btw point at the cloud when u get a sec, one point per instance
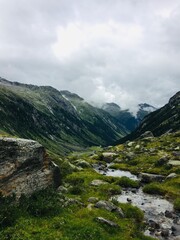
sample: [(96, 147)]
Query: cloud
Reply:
[(122, 51)]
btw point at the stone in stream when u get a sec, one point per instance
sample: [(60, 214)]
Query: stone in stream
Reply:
[(107, 222), (165, 233), (168, 214)]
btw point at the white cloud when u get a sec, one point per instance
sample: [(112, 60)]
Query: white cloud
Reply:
[(122, 51)]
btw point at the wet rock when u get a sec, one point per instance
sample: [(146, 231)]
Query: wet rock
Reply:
[(171, 176), (129, 200), (109, 206), (154, 224), (108, 156), (98, 182), (165, 233), (176, 230), (93, 199), (106, 221), (168, 214), (148, 178)]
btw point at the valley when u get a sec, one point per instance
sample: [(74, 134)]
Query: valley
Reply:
[(101, 182)]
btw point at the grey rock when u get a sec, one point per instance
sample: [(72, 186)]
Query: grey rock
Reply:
[(25, 167), (109, 156), (98, 182), (147, 177), (107, 222), (174, 163), (109, 206), (93, 199), (147, 134), (165, 233), (171, 175)]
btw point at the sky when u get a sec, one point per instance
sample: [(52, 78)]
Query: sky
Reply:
[(122, 51)]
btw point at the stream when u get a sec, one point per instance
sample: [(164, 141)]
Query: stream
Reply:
[(162, 221)]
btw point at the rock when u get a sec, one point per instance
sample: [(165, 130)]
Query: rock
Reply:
[(165, 233), (177, 238), (177, 148), (109, 156), (171, 175), (129, 200), (162, 161), (82, 163), (147, 134), (107, 222), (25, 167), (109, 206), (93, 199), (137, 147), (176, 153), (62, 189), (147, 177), (176, 230), (130, 144), (168, 214), (130, 155), (98, 182), (174, 163), (154, 224)]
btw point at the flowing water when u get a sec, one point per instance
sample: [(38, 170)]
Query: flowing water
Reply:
[(155, 207)]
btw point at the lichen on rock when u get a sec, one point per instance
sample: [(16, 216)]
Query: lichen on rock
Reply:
[(25, 167)]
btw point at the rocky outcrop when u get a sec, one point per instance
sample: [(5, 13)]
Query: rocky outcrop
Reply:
[(25, 167)]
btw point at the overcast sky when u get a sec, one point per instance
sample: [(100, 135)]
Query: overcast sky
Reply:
[(123, 51)]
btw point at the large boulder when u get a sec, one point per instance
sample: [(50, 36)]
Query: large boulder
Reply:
[(109, 206), (25, 167), (109, 156), (148, 178)]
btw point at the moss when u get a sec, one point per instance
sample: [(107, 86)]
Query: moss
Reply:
[(177, 204), (154, 188), (127, 182)]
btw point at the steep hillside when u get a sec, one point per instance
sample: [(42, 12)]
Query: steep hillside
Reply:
[(44, 114), (163, 120), (125, 117)]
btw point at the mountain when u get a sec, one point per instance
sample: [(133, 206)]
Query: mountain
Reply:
[(61, 121), (161, 121), (125, 117)]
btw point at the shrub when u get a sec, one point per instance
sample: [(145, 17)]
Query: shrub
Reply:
[(154, 188), (41, 203), (132, 212), (9, 211), (177, 204), (127, 182)]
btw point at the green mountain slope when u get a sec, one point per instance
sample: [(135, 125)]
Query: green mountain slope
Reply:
[(44, 114), (163, 120)]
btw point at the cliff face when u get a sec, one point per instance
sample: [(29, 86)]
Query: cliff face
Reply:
[(25, 167)]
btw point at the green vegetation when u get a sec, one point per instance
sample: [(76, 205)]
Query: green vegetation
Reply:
[(127, 182), (177, 204), (154, 188)]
